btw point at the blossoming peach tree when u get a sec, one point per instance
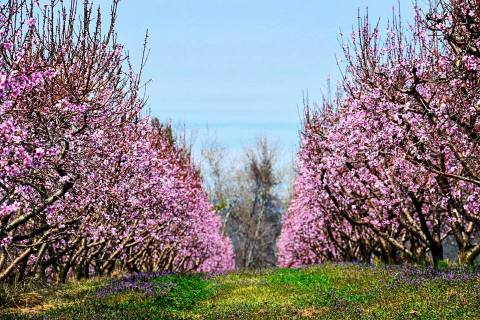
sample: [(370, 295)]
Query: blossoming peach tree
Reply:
[(87, 183), (392, 168)]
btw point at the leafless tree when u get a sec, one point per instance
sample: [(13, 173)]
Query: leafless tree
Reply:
[(247, 195)]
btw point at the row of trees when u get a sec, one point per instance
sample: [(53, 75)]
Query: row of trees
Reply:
[(87, 183), (391, 170)]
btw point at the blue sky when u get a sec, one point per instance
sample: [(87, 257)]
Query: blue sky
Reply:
[(240, 67)]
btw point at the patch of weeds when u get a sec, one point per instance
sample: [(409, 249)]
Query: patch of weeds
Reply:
[(352, 294), (22, 293), (140, 282), (122, 305), (300, 278), (416, 276), (182, 292)]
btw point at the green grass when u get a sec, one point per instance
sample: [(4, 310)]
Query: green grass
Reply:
[(186, 292), (321, 292)]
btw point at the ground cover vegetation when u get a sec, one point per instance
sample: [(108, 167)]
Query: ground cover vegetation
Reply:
[(322, 292)]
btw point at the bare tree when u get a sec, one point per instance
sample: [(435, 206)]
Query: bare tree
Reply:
[(246, 193)]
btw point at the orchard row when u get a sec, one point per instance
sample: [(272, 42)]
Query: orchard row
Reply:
[(391, 169), (88, 184)]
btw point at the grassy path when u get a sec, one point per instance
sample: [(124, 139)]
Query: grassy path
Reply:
[(324, 292)]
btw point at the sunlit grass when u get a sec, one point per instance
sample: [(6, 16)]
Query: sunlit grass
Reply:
[(321, 292)]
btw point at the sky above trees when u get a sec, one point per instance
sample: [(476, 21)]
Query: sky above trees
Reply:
[(241, 67)]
